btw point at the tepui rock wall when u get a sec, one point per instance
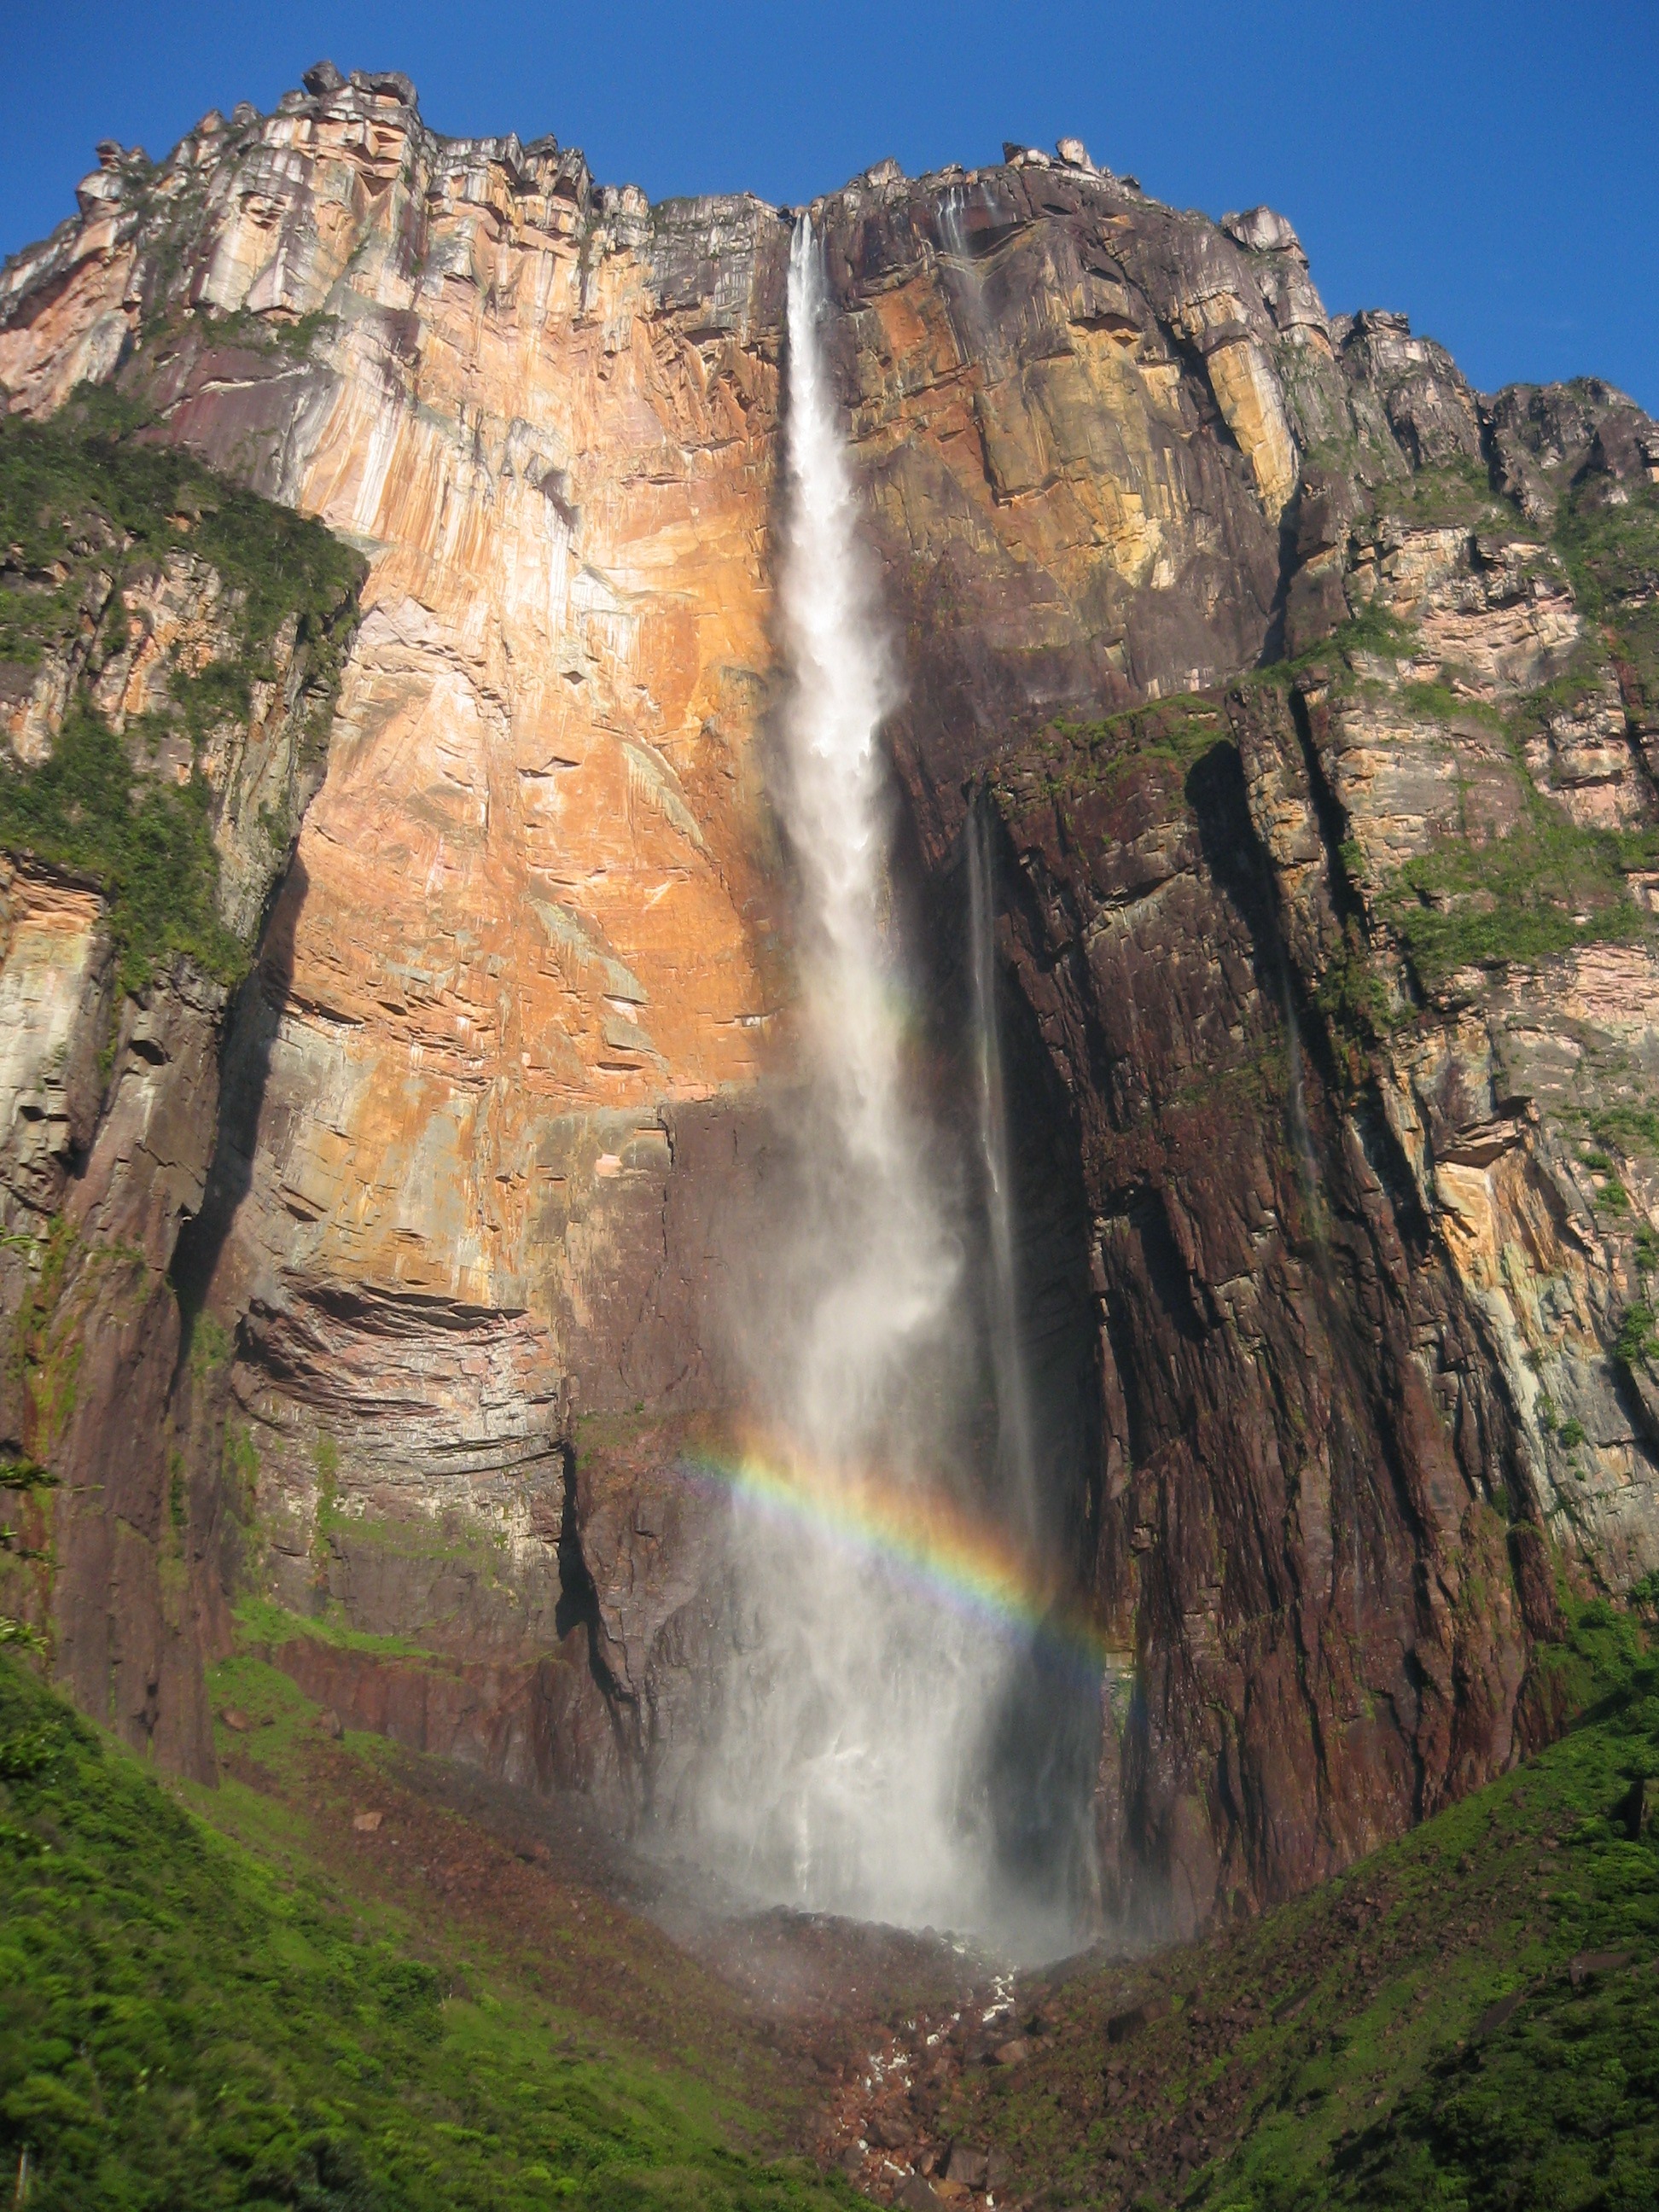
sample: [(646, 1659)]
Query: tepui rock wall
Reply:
[(1242, 618)]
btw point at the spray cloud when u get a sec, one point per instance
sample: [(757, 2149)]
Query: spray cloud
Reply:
[(849, 1769)]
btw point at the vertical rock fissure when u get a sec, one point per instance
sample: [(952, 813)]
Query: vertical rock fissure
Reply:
[(1328, 813), (579, 1608)]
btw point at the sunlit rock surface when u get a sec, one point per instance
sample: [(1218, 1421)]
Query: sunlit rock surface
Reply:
[(1316, 1296)]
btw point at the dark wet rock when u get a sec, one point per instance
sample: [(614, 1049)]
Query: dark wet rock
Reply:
[(1318, 1287)]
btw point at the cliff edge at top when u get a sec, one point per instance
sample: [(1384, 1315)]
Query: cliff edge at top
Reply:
[(1338, 1324)]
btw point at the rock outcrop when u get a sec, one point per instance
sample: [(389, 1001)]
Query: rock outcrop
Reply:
[(98, 1173), (1347, 993), (1326, 991), (171, 654)]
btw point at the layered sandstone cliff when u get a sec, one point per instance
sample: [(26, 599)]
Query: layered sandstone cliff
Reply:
[(1326, 1300)]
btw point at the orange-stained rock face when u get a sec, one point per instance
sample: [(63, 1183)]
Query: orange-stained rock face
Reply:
[(529, 911), (529, 886), (535, 910), (495, 1143)]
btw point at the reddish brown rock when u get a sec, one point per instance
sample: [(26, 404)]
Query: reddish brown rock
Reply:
[(502, 1108)]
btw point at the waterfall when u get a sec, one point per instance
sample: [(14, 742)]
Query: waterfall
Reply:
[(980, 337), (1015, 1454), (847, 1771), (888, 1286)]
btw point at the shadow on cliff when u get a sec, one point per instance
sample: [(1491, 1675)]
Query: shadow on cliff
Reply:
[(1040, 1744), (244, 1072), (1243, 870)]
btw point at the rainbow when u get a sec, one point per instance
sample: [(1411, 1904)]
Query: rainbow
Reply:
[(920, 1539)]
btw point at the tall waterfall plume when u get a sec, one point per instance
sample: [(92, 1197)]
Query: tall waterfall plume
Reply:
[(849, 1773)]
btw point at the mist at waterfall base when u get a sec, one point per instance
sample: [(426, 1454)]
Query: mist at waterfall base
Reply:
[(888, 1740)]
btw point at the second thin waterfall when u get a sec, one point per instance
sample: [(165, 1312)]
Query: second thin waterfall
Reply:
[(1015, 1458)]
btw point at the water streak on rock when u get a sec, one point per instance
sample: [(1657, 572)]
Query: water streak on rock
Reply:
[(1016, 1459)]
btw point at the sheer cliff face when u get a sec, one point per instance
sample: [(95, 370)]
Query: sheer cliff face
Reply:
[(1321, 1280)]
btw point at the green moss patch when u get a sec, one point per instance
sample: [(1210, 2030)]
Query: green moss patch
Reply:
[(71, 488), (263, 1625), (1547, 887), (149, 849), (1075, 760), (1612, 556), (1611, 552), (1456, 494)]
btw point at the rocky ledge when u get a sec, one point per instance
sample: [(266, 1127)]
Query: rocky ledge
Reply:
[(1313, 696)]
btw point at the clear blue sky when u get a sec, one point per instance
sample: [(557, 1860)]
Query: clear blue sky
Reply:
[(1493, 169)]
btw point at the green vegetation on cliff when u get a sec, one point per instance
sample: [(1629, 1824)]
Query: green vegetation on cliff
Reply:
[(85, 508), (252, 2014), (1456, 492), (85, 490), (149, 848), (1162, 741), (1612, 555), (187, 2020), (1546, 887)]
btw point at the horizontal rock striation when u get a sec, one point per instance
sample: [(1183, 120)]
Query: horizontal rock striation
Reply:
[(1326, 990)]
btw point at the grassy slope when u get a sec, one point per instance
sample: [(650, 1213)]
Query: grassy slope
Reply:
[(266, 2007), (1343, 2050), (199, 2015)]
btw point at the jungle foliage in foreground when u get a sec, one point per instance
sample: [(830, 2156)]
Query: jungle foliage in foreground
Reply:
[(184, 2025), (1466, 2022)]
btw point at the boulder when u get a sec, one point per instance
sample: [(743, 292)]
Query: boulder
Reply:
[(1260, 230), (386, 84)]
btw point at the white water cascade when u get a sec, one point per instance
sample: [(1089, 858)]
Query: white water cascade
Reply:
[(849, 1771), (889, 1287)]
